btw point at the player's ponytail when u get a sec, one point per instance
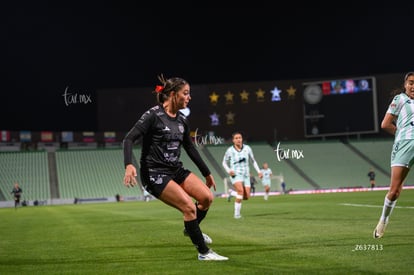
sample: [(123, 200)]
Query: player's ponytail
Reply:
[(168, 85)]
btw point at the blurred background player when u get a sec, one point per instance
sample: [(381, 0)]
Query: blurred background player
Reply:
[(371, 176), (253, 182), (236, 162), (17, 193), (266, 181)]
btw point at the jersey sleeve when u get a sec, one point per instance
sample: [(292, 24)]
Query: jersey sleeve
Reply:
[(140, 128), (396, 104), (225, 161), (253, 160)]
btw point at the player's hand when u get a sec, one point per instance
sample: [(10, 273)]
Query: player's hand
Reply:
[(210, 182), (130, 174), (231, 173), (260, 175)]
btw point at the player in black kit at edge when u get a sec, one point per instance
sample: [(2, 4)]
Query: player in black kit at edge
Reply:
[(164, 129)]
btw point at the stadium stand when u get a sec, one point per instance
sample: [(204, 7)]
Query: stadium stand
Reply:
[(334, 164), (30, 170), (282, 169), (92, 174), (98, 173), (214, 157), (378, 151)]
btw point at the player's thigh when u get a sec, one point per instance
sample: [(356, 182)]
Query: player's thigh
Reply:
[(176, 197), (238, 186), (198, 190)]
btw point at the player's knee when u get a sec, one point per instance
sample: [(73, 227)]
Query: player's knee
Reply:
[(205, 203)]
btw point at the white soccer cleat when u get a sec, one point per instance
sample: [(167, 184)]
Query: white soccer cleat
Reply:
[(379, 230), (237, 216), (211, 256)]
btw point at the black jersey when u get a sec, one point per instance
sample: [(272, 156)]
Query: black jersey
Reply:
[(371, 175), (17, 192), (162, 138)]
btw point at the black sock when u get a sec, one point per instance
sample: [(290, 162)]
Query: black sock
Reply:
[(201, 214), (196, 236)]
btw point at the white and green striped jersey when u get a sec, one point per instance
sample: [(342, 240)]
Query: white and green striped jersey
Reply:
[(403, 107), (267, 174), (238, 161)]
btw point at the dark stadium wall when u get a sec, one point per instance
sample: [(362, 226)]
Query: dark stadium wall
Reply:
[(263, 111), (243, 106)]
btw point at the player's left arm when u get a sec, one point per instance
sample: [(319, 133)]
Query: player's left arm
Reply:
[(254, 162)]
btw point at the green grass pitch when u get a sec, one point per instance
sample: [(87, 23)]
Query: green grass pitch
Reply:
[(288, 234)]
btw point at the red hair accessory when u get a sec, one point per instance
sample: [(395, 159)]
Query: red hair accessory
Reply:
[(159, 88)]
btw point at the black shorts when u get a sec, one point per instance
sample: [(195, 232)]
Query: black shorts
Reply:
[(154, 181), (17, 199)]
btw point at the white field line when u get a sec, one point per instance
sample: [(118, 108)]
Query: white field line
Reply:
[(376, 206)]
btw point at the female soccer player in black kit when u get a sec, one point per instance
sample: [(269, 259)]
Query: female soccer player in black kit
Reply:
[(17, 193), (164, 129)]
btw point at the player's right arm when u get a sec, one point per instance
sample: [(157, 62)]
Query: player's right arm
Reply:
[(136, 132), (226, 160)]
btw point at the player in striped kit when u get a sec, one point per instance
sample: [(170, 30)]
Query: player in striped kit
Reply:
[(398, 121), (236, 162), (266, 180)]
